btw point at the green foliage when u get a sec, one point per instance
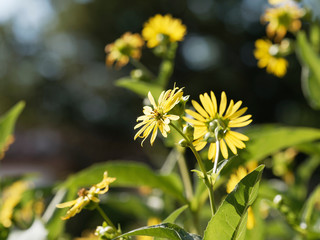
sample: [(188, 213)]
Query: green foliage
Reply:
[(229, 222), (310, 61), (128, 174), (7, 123), (174, 215), (140, 87), (164, 230)]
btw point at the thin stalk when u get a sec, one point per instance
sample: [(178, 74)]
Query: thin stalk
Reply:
[(105, 217), (185, 175), (142, 67), (202, 168), (217, 156)]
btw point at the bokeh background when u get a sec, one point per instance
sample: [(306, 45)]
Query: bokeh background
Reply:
[(52, 56)]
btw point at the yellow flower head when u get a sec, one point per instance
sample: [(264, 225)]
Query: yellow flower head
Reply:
[(160, 27), (11, 197), (157, 116), (268, 57), (209, 123), (86, 196), (124, 48), (233, 181), (283, 18)]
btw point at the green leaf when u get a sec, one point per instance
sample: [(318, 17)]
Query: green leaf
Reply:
[(268, 139), (229, 220), (311, 71), (309, 207), (174, 215), (139, 87), (163, 230), (128, 174), (7, 123)]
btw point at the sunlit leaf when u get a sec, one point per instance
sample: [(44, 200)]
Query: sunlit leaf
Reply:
[(229, 220), (128, 174), (164, 230), (140, 87), (7, 123)]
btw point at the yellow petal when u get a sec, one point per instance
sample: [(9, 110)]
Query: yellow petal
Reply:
[(242, 124), (223, 103), (194, 122), (200, 110), (241, 119), (195, 115), (238, 113), (214, 102), (238, 135), (199, 131), (200, 144), (207, 104), (151, 99), (212, 151), (224, 149), (230, 144)]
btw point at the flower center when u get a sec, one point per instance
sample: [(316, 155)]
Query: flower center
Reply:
[(217, 129)]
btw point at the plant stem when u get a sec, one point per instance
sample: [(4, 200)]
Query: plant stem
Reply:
[(217, 157), (142, 67), (202, 168), (185, 174), (105, 217)]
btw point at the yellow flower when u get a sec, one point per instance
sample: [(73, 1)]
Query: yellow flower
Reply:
[(268, 57), (233, 181), (283, 18), (277, 2), (124, 48), (151, 221), (11, 197), (86, 196), (207, 120), (157, 117), (160, 27)]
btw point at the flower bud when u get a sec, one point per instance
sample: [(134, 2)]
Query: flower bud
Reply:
[(183, 143), (209, 137), (188, 130)]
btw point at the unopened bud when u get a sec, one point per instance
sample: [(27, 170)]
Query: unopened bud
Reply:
[(209, 137), (183, 143), (188, 130)]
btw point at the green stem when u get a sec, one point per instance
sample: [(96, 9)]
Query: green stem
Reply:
[(105, 217), (185, 175), (202, 168), (217, 157), (142, 67)]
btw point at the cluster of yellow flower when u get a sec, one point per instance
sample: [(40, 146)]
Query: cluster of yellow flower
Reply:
[(284, 16), (209, 124), (158, 30)]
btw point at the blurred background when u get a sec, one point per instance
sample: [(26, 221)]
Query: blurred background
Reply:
[(52, 56)]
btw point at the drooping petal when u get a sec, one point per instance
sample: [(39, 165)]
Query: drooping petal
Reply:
[(212, 151), (224, 149), (230, 144)]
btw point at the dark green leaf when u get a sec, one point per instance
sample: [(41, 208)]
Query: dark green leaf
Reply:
[(229, 220), (164, 230)]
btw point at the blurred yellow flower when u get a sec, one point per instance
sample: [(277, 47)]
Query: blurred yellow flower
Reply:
[(233, 181), (268, 57), (86, 196), (11, 196), (157, 117), (151, 221), (283, 18), (161, 27), (207, 120), (124, 48)]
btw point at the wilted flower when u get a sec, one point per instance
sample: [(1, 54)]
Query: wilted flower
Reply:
[(124, 48), (86, 196), (268, 57), (283, 18), (159, 28), (157, 116), (209, 123)]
